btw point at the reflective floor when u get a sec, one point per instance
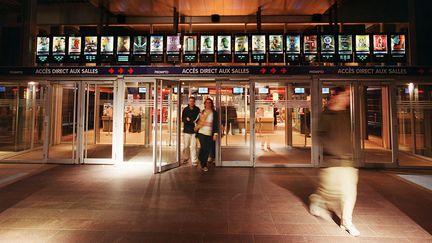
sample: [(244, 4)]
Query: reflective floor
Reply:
[(131, 204)]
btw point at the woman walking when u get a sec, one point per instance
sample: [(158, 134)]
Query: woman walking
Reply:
[(207, 131)]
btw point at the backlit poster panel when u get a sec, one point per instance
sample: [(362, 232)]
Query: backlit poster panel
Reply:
[(398, 47), (59, 45), (328, 44), (207, 48), (140, 45), (90, 48), (380, 48), (293, 44), (43, 43), (345, 48), (74, 48), (276, 44), (328, 48), (258, 48), (190, 48), (173, 44), (397, 44), (123, 45), (362, 48), (156, 45), (224, 44), (241, 44), (42, 49), (90, 45), (258, 44), (380, 44), (107, 45), (173, 48), (224, 48), (190, 44), (241, 48), (310, 48), (275, 48), (207, 44)]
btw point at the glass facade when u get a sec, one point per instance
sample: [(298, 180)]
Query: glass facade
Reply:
[(262, 122)]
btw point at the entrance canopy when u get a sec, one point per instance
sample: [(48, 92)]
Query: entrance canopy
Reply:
[(221, 7)]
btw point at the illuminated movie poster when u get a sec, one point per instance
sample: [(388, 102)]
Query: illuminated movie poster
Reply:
[(156, 44), (362, 44), (74, 45), (190, 44), (140, 45), (207, 44), (258, 44), (123, 45), (107, 45), (59, 45), (328, 44), (90, 45), (397, 44), (241, 44), (345, 44), (224, 44), (276, 44), (173, 44), (310, 44), (380, 44), (293, 44), (43, 43)]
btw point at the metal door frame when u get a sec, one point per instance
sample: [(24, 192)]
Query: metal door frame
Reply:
[(313, 85), (157, 126), (240, 163)]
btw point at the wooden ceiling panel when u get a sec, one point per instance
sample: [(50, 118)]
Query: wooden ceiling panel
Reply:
[(221, 7)]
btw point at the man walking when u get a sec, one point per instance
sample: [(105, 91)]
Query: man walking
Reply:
[(189, 116), (337, 189)]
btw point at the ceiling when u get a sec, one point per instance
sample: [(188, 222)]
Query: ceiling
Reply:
[(221, 7)]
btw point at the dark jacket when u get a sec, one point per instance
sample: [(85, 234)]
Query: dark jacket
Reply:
[(334, 134), (192, 114)]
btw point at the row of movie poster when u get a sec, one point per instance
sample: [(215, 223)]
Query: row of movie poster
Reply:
[(222, 44)]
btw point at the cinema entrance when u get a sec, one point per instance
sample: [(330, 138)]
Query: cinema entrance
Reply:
[(262, 122)]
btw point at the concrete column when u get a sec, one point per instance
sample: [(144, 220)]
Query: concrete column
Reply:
[(29, 32)]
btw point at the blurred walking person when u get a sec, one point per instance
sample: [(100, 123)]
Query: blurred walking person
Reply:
[(207, 129), (189, 117), (337, 189)]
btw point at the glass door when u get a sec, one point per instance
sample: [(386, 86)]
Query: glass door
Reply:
[(414, 123), (98, 116), (235, 102), (138, 122), (166, 117), (283, 123), (375, 123), (63, 120)]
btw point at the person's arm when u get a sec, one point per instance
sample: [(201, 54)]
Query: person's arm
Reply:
[(184, 116), (215, 124)]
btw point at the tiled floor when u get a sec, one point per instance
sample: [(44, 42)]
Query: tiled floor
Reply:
[(130, 204)]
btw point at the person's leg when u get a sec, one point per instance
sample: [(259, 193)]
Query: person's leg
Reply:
[(193, 149), (319, 201), (205, 142), (186, 144), (349, 181)]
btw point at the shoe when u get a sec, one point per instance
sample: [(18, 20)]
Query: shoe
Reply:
[(351, 229), (318, 211), (195, 164), (205, 169)]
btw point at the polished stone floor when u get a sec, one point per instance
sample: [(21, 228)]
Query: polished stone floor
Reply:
[(129, 204)]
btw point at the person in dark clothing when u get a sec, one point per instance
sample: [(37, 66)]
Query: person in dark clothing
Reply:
[(337, 190), (207, 129), (189, 117)]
